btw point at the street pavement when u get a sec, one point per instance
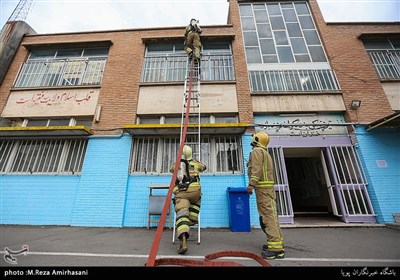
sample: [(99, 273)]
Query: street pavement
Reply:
[(350, 249)]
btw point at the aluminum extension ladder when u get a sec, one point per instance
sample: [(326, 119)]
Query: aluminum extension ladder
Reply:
[(192, 137)]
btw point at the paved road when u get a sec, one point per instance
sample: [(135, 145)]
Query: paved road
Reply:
[(344, 248)]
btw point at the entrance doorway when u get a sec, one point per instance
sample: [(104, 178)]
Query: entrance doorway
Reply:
[(326, 180), (307, 183)]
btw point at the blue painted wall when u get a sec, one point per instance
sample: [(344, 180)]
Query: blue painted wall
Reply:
[(379, 152), (214, 208), (37, 199), (215, 203), (100, 199), (104, 194)]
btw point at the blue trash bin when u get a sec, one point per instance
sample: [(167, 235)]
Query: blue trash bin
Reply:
[(239, 209)]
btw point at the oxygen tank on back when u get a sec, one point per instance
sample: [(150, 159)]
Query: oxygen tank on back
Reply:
[(182, 170), (183, 176)]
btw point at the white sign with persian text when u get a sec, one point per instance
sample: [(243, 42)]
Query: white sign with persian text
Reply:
[(301, 125), (51, 103)]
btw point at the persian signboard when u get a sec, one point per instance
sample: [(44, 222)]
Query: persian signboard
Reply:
[(306, 125), (51, 103)]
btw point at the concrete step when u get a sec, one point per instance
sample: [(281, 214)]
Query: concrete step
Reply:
[(393, 226), (396, 218)]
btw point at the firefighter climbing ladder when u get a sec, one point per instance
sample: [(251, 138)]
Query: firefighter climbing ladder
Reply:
[(191, 106)]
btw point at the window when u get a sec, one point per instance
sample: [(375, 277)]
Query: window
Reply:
[(42, 156), (176, 119), (65, 67), (385, 55), (167, 63), (293, 80), (81, 121), (155, 155), (280, 33), (283, 50), (6, 122), (48, 122)]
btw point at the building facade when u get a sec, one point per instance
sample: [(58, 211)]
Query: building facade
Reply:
[(90, 120)]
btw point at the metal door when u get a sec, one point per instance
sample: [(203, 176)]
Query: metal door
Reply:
[(349, 185), (283, 200)]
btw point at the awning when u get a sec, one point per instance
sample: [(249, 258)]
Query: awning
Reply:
[(391, 121), (36, 131), (175, 129)]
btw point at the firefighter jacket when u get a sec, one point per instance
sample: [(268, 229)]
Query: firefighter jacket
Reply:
[(190, 28), (260, 168), (195, 167)]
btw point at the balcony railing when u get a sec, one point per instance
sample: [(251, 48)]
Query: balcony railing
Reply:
[(323, 80), (172, 68), (387, 64), (61, 72)]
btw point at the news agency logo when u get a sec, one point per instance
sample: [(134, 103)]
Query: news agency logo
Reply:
[(9, 255)]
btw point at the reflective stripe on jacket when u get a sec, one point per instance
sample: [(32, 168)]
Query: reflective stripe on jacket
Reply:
[(195, 167), (260, 168)]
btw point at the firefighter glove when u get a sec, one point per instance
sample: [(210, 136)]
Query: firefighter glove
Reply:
[(250, 189)]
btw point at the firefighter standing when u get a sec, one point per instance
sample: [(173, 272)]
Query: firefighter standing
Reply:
[(187, 198), (192, 39), (261, 179)]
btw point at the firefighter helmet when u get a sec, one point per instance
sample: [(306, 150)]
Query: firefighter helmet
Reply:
[(187, 152), (260, 139)]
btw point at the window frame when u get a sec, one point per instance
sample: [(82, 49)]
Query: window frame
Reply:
[(210, 148), (61, 71), (49, 156), (248, 12)]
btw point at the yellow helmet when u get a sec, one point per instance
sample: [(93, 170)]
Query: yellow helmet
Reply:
[(187, 152), (260, 139)]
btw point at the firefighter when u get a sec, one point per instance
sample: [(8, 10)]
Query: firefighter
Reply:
[(192, 39), (261, 180), (187, 199)]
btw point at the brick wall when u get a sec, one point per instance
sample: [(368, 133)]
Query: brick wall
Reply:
[(354, 70), (241, 76), (120, 85)]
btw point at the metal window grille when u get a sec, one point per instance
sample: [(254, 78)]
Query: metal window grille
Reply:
[(171, 68), (387, 63), (350, 181), (283, 201), (49, 156), (228, 155), (61, 72), (293, 81), (156, 155)]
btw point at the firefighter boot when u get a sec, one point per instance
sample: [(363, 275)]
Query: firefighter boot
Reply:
[(183, 245), (268, 254)]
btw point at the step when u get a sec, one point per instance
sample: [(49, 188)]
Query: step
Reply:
[(396, 217)]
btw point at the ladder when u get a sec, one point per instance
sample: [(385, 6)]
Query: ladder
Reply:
[(191, 102), (191, 106), (192, 87)]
